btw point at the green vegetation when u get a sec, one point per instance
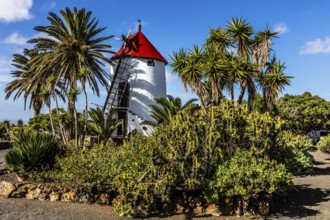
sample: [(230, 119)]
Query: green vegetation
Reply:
[(71, 53), (32, 151), (245, 177), (324, 144), (304, 113), (213, 69), (188, 157), (167, 108), (102, 126), (297, 156)]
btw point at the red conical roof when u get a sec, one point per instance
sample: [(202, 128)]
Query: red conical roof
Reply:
[(140, 47)]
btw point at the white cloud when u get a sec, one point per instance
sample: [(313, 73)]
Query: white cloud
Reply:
[(15, 10), (316, 46), (281, 28), (15, 38)]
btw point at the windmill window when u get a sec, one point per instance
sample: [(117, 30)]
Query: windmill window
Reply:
[(151, 63)]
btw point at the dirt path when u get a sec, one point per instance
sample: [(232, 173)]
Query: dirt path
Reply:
[(15, 209), (311, 199)]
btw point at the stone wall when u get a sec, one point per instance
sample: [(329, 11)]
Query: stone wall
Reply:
[(56, 192), (102, 195)]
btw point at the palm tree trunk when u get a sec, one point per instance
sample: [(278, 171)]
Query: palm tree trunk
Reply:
[(85, 119), (51, 119), (251, 97), (231, 90), (36, 108), (76, 127), (64, 138), (241, 95), (264, 96)]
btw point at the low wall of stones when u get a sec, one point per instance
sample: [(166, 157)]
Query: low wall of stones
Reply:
[(101, 195), (55, 192)]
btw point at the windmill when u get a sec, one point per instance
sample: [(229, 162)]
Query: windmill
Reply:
[(138, 76)]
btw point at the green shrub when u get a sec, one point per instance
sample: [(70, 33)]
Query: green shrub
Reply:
[(246, 176), (182, 157), (296, 153), (324, 144), (152, 173), (78, 166), (32, 151)]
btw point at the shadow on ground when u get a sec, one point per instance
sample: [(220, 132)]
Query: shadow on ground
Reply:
[(299, 202)]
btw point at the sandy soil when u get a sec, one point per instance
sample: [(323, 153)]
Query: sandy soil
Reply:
[(311, 197)]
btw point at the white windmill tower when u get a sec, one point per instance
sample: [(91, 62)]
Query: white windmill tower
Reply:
[(138, 77)]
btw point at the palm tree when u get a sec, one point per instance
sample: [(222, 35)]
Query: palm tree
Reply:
[(262, 47), (20, 124), (85, 75), (57, 92), (273, 82), (240, 32), (45, 97), (72, 42), (219, 38), (73, 95), (167, 108), (214, 72), (22, 75), (102, 126)]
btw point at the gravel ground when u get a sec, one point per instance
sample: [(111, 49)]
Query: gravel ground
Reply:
[(311, 197), (15, 209), (309, 200)]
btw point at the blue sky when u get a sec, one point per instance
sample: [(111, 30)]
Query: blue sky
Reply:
[(303, 43)]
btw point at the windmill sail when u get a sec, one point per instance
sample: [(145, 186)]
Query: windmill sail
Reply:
[(118, 90), (117, 87)]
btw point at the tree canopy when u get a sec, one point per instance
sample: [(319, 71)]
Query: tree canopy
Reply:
[(304, 113)]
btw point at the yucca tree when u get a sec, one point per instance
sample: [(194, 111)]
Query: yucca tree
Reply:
[(45, 97), (189, 67), (262, 47), (230, 56), (72, 42), (21, 75), (73, 94), (167, 108), (214, 70), (240, 33), (273, 82), (85, 76), (219, 38), (102, 126)]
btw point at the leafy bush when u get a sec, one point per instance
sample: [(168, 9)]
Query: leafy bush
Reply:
[(182, 157), (246, 176), (296, 153), (324, 144), (32, 151), (78, 166), (179, 159), (304, 113)]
